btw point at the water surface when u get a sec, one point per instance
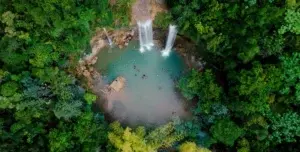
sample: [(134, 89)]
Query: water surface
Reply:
[(150, 96)]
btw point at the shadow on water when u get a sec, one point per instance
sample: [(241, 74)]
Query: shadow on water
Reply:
[(149, 97)]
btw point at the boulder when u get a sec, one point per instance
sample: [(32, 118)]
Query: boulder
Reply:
[(132, 33), (94, 60), (86, 73), (96, 75), (118, 84)]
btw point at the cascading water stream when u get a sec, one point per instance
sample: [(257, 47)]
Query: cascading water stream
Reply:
[(108, 38), (145, 35), (141, 37), (170, 40), (150, 33)]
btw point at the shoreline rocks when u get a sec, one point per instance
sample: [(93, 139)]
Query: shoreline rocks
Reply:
[(118, 84), (121, 38)]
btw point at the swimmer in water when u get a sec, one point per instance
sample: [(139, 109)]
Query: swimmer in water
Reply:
[(144, 76)]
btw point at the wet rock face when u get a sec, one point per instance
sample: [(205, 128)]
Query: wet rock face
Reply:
[(86, 73), (158, 43), (123, 37)]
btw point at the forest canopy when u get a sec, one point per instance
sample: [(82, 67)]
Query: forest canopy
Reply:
[(247, 98), (248, 95)]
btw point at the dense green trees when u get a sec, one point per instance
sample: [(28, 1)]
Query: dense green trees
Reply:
[(163, 20), (285, 127), (191, 147), (247, 98), (202, 85), (226, 132), (138, 140), (42, 107), (121, 12), (252, 50)]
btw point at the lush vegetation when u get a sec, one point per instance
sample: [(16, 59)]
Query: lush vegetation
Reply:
[(246, 99), (121, 12), (41, 104)]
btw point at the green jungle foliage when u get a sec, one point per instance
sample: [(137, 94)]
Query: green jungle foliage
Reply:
[(137, 140), (246, 99), (191, 147), (42, 106), (121, 12), (162, 20)]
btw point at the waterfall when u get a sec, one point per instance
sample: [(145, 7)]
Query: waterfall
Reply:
[(145, 35), (108, 38), (170, 40), (141, 37), (150, 32)]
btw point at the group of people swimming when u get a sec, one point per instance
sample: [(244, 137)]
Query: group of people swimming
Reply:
[(144, 76)]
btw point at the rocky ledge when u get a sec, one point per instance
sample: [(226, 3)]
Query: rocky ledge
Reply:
[(120, 38)]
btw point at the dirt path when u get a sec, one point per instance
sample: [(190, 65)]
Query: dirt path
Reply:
[(146, 9), (140, 11)]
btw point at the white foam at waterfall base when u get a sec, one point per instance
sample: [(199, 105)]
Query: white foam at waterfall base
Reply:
[(165, 53), (170, 40)]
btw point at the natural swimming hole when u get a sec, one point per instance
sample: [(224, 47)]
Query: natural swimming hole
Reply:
[(149, 96)]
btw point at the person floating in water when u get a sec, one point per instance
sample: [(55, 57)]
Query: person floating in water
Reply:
[(144, 76), (134, 67)]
